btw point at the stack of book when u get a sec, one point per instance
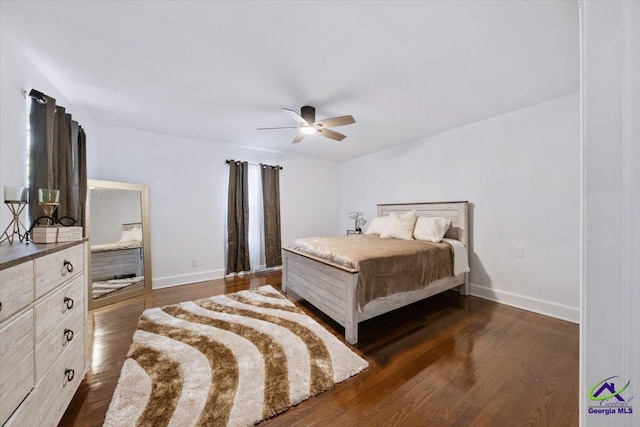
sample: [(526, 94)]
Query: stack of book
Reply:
[(55, 234)]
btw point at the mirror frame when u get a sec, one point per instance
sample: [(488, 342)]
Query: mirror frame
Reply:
[(146, 242)]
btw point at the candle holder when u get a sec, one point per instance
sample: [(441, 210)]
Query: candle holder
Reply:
[(48, 201), (16, 200), (48, 209)]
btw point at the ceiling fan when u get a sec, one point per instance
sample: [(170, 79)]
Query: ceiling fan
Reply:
[(307, 124)]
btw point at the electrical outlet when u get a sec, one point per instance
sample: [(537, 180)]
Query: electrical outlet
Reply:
[(194, 263), (519, 253)]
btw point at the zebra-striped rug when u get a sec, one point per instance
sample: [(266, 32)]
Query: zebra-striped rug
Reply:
[(232, 359), (100, 289)]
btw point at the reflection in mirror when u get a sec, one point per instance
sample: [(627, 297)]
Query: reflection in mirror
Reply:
[(118, 216)]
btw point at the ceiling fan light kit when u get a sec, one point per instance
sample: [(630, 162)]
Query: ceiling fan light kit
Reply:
[(307, 124)]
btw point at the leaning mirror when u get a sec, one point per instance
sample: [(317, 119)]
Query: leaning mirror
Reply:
[(118, 231)]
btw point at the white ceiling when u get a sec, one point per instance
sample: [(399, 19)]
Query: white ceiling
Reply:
[(218, 70)]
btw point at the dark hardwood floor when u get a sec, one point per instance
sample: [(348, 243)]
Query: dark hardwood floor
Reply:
[(446, 361)]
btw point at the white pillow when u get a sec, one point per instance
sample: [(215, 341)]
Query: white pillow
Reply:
[(136, 233), (399, 227), (131, 235), (377, 225), (431, 229), (126, 236)]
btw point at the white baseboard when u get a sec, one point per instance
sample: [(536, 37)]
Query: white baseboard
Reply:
[(202, 276), (185, 279), (552, 309)]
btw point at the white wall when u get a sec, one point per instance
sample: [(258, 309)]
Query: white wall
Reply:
[(18, 73), (610, 333), (520, 173), (187, 178), (187, 181)]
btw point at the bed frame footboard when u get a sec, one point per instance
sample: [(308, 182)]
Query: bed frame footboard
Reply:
[(327, 287), (332, 290)]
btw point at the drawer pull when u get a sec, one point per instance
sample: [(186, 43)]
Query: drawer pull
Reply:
[(68, 334), (68, 302), (68, 266), (69, 373), (0, 305)]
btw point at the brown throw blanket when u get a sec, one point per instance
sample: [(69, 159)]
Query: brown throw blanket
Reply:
[(386, 266)]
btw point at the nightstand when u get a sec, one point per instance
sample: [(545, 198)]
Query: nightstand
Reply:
[(353, 232)]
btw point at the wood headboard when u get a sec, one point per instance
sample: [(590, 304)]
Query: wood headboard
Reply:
[(457, 212)]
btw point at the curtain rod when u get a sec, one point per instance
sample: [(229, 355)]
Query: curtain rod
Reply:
[(38, 96), (255, 164)]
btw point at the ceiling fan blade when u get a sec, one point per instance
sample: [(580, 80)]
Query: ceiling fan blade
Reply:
[(336, 121), (286, 127), (295, 116), (299, 137), (331, 134)]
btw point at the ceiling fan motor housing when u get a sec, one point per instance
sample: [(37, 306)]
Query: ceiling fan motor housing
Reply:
[(309, 114)]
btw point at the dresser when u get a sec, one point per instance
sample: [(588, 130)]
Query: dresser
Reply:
[(43, 330)]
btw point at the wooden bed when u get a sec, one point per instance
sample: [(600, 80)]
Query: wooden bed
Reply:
[(332, 288), (117, 262)]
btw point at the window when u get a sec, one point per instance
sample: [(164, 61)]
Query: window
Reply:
[(256, 219)]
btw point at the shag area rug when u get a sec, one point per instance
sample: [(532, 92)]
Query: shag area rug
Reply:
[(106, 287), (232, 359)]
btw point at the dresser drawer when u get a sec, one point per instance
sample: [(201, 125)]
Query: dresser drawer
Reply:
[(58, 306), (16, 363), (54, 269), (56, 389), (50, 346), (16, 289), (26, 414)]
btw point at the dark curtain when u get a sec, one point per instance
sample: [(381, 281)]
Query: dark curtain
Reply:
[(82, 176), (271, 203), (238, 218), (57, 160)]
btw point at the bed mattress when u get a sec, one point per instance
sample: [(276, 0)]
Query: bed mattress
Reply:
[(385, 266), (129, 244)]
